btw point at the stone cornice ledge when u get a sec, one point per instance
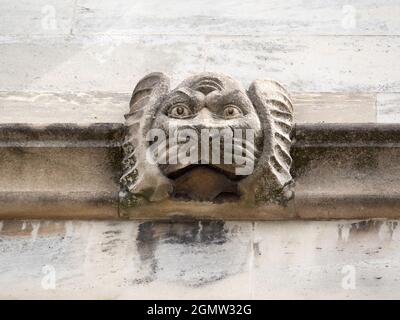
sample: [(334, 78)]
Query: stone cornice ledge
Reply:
[(73, 171)]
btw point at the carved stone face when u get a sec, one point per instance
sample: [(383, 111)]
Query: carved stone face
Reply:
[(208, 103), (201, 105)]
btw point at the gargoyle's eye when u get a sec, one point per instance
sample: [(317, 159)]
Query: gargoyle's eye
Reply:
[(231, 112), (179, 111)]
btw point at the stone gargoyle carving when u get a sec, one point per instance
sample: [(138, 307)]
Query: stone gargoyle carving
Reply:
[(207, 140)]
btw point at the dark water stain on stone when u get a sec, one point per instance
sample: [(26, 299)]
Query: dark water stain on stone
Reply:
[(256, 249), (367, 227), (146, 242), (190, 232), (112, 233), (112, 242), (196, 232), (183, 232)]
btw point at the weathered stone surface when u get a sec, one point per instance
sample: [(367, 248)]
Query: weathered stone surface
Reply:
[(388, 108), (61, 135), (109, 107), (199, 259), (351, 171), (125, 259), (341, 171), (303, 64), (310, 64), (334, 107), (94, 64), (54, 170), (307, 55), (52, 107), (362, 17), (234, 17), (326, 260)]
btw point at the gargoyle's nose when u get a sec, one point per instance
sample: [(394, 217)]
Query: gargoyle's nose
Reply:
[(204, 115), (206, 119)]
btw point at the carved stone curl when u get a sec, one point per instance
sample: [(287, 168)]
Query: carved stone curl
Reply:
[(208, 101)]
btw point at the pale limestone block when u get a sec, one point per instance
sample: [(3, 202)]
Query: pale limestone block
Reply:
[(94, 64), (76, 107), (234, 17), (109, 107), (317, 260), (310, 64), (200, 259), (126, 259), (334, 107), (388, 108)]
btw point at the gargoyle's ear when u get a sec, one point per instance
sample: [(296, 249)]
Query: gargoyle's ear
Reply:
[(151, 87), (274, 107)]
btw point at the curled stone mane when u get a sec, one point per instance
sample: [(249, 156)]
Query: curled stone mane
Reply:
[(275, 110), (139, 177)]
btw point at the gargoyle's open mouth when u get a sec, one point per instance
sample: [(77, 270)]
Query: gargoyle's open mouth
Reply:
[(175, 171), (211, 182)]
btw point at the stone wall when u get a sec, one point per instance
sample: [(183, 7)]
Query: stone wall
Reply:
[(199, 259), (332, 56), (78, 61)]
